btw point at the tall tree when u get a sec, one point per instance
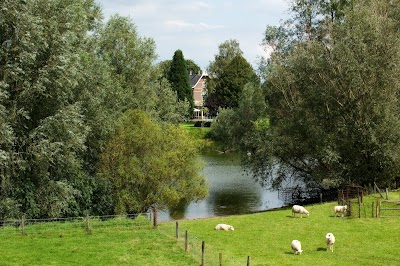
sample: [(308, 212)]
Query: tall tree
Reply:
[(131, 58), (226, 52), (151, 165), (334, 103), (39, 74), (192, 67), (178, 76), (64, 80), (229, 73), (230, 85)]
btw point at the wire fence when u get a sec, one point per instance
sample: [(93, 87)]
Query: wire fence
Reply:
[(72, 225), (202, 252)]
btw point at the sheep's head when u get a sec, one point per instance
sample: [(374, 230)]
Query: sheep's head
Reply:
[(329, 238), (231, 228), (345, 207)]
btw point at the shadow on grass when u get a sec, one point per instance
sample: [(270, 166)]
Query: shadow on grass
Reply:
[(289, 253), (321, 249)]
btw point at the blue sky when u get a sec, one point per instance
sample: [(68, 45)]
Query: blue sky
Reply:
[(198, 27)]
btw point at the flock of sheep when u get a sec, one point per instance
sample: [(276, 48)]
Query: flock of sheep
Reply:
[(296, 245), (329, 237)]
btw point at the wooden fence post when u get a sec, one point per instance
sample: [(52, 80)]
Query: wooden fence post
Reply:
[(202, 252), (177, 230), (373, 209), (377, 208), (350, 208), (248, 260), (359, 207), (186, 240), (155, 217), (320, 196), (88, 229), (220, 259), (387, 194), (23, 225)]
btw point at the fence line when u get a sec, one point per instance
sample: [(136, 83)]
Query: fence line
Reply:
[(390, 208), (74, 224), (198, 249)]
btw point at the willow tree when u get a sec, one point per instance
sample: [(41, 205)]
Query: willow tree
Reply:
[(333, 101), (42, 117), (151, 165)]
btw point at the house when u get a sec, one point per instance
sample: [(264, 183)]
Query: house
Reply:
[(198, 82)]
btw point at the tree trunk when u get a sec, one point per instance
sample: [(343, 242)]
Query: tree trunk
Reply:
[(155, 220)]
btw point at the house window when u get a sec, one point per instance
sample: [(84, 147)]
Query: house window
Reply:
[(204, 84)]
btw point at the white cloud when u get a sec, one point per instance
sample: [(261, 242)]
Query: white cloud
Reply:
[(211, 27), (184, 25), (198, 27)]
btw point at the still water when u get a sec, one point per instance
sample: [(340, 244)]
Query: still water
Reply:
[(231, 191)]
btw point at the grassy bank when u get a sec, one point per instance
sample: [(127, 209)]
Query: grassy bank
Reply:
[(199, 134), (265, 237)]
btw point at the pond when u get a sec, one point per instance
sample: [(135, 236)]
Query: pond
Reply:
[(231, 191)]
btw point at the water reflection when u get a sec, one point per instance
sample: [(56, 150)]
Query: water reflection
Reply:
[(231, 192), (178, 212)]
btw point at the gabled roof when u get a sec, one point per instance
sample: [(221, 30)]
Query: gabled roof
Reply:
[(195, 78)]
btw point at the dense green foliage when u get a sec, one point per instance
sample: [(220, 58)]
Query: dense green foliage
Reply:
[(333, 93), (230, 84), (228, 62), (191, 67), (151, 165), (178, 76), (233, 128), (65, 78)]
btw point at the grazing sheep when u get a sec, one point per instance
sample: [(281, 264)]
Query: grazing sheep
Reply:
[(329, 240), (341, 209), (225, 227), (299, 209), (296, 247)]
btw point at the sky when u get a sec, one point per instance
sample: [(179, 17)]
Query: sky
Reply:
[(199, 27)]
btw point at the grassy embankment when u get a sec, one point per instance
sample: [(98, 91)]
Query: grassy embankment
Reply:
[(199, 134), (265, 237)]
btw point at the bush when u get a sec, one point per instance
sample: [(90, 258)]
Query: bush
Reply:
[(202, 124)]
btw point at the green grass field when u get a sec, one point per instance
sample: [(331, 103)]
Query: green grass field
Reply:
[(265, 237)]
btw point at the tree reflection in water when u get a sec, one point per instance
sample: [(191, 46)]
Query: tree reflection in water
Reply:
[(231, 191)]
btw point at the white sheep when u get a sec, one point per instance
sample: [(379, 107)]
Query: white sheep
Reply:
[(296, 247), (225, 227), (329, 240), (340, 209), (299, 209)]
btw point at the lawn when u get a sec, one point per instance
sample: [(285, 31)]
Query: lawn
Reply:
[(115, 243), (199, 134), (265, 237)]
